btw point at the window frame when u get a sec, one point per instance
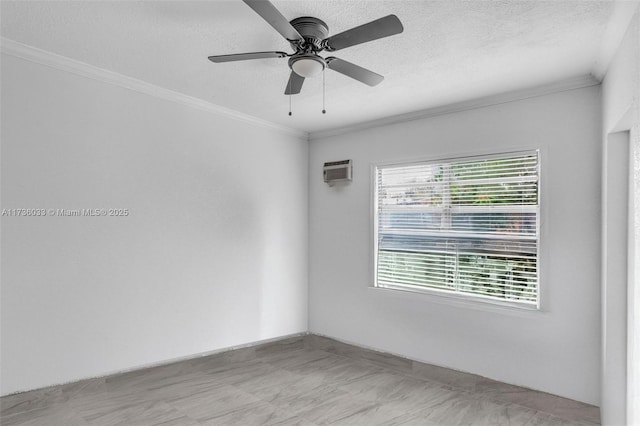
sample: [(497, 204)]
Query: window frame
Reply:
[(459, 298)]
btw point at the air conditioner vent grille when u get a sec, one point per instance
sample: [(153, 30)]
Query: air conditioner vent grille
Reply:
[(338, 163), (337, 171), (336, 174)]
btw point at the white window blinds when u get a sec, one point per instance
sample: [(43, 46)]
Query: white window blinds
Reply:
[(467, 226)]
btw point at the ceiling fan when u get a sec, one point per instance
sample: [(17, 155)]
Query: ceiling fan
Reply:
[(308, 37)]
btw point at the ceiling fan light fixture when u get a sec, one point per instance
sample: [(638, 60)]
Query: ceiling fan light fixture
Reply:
[(307, 66)]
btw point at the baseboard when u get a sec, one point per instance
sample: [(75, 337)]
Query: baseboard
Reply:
[(254, 344)]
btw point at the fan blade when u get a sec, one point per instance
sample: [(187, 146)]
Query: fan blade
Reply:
[(294, 85), (269, 13), (246, 56), (383, 27), (354, 71)]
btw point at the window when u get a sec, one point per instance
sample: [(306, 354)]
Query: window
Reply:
[(464, 226)]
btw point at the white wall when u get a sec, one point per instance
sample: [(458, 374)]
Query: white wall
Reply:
[(212, 255), (620, 288), (556, 350)]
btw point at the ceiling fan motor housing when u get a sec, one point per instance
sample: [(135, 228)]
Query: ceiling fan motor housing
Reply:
[(313, 30)]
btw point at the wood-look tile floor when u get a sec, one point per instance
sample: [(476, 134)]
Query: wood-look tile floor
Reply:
[(277, 384)]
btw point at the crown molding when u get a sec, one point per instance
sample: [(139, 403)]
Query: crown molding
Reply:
[(63, 63), (53, 60), (560, 86)]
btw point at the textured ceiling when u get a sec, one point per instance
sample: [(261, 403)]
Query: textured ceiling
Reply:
[(450, 51)]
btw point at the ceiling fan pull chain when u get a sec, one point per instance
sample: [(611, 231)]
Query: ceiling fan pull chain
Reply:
[(289, 97), (324, 111)]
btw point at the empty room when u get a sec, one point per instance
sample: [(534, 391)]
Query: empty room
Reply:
[(328, 212)]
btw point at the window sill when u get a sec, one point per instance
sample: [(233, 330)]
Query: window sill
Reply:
[(459, 301)]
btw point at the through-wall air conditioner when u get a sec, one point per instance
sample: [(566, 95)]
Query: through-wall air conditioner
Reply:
[(337, 171)]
